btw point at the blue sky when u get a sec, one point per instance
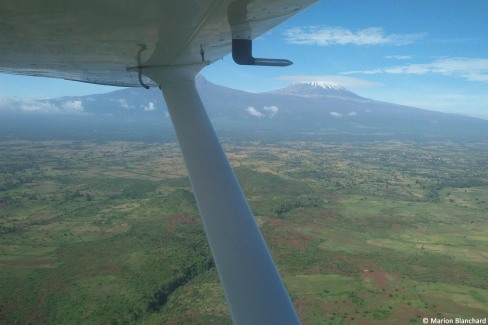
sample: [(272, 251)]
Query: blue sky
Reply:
[(431, 54)]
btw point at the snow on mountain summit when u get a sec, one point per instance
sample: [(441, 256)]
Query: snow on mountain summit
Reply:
[(317, 89), (324, 85)]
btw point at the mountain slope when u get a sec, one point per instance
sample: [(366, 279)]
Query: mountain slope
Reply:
[(312, 109)]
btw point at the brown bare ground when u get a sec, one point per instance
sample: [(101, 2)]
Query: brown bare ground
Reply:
[(275, 222), (406, 313), (173, 221), (380, 278), (30, 262)]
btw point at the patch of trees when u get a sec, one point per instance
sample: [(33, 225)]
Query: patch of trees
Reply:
[(292, 204), (462, 182), (7, 229), (10, 185), (9, 201), (160, 297), (73, 195)]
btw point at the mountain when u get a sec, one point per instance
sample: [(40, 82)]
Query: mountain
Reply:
[(317, 89), (310, 110)]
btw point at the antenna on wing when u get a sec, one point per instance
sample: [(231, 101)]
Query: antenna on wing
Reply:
[(242, 54), (202, 52), (242, 35)]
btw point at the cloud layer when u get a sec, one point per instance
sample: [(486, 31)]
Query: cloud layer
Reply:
[(39, 106), (472, 69), (326, 36)]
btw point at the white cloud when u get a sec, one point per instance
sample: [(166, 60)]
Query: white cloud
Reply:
[(342, 81), (335, 114), (72, 106), (123, 103), (272, 110), (472, 69), (39, 106), (6, 103), (325, 36), (352, 113), (254, 112), (398, 57), (149, 107)]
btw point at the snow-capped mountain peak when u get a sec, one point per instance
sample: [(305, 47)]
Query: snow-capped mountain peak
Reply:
[(317, 89), (324, 85)]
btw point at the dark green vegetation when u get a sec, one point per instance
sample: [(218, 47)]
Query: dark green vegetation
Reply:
[(362, 232)]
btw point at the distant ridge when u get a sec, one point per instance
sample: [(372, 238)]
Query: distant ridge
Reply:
[(313, 109)]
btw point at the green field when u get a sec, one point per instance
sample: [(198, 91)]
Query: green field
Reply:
[(362, 232)]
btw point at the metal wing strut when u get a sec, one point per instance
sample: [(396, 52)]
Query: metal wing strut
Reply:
[(252, 285)]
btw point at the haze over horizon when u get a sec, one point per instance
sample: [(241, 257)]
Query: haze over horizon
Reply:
[(429, 55)]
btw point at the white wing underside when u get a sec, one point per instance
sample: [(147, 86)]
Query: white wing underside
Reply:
[(117, 42), (105, 41)]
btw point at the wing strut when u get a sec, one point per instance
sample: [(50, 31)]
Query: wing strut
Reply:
[(253, 288)]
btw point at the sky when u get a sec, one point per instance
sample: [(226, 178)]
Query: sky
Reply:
[(431, 54)]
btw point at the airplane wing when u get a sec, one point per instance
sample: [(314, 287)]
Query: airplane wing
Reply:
[(105, 41), (165, 43)]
